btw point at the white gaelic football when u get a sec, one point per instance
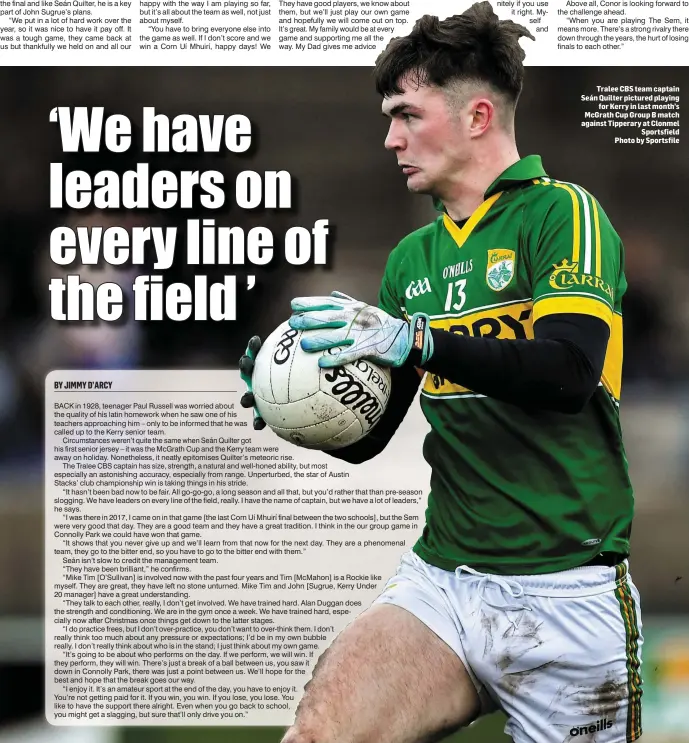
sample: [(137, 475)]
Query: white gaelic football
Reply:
[(313, 407)]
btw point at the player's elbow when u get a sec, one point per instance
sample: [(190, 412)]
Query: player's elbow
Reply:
[(362, 451), (357, 455), (570, 405), (351, 458), (572, 399), (578, 384)]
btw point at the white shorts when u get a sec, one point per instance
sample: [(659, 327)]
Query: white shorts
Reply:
[(559, 653)]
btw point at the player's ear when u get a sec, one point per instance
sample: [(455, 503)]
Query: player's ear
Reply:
[(482, 112)]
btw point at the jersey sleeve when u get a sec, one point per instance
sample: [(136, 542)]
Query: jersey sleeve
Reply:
[(389, 298), (574, 253)]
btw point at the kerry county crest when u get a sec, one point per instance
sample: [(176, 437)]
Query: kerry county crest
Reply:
[(500, 268)]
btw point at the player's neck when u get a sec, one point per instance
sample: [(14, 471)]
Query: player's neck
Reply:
[(466, 192)]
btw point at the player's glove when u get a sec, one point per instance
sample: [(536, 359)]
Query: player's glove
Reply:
[(246, 370), (359, 330)]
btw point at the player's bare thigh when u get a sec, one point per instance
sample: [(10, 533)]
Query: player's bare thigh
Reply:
[(387, 678)]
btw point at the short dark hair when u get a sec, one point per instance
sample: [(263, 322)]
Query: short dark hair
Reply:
[(474, 46)]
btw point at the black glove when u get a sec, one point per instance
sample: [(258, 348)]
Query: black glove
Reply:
[(246, 370)]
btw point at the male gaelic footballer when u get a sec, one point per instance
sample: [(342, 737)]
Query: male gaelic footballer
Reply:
[(517, 594)]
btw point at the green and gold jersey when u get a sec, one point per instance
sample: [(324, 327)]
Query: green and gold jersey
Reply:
[(515, 490)]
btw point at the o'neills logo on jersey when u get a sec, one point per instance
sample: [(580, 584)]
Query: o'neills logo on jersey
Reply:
[(458, 269), (500, 268), (417, 288), (566, 276)]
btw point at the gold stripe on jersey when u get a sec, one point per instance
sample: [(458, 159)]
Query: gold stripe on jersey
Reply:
[(576, 220), (576, 304), (612, 367), (460, 234), (586, 233), (511, 320)]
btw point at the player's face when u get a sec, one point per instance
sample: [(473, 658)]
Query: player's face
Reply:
[(430, 141)]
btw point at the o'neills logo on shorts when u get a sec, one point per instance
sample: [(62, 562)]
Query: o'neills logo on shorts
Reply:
[(594, 727)]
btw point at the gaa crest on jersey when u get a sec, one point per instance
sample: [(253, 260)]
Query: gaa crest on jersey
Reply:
[(500, 268), (417, 288)]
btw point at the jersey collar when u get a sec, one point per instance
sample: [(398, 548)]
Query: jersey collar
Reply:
[(526, 169)]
